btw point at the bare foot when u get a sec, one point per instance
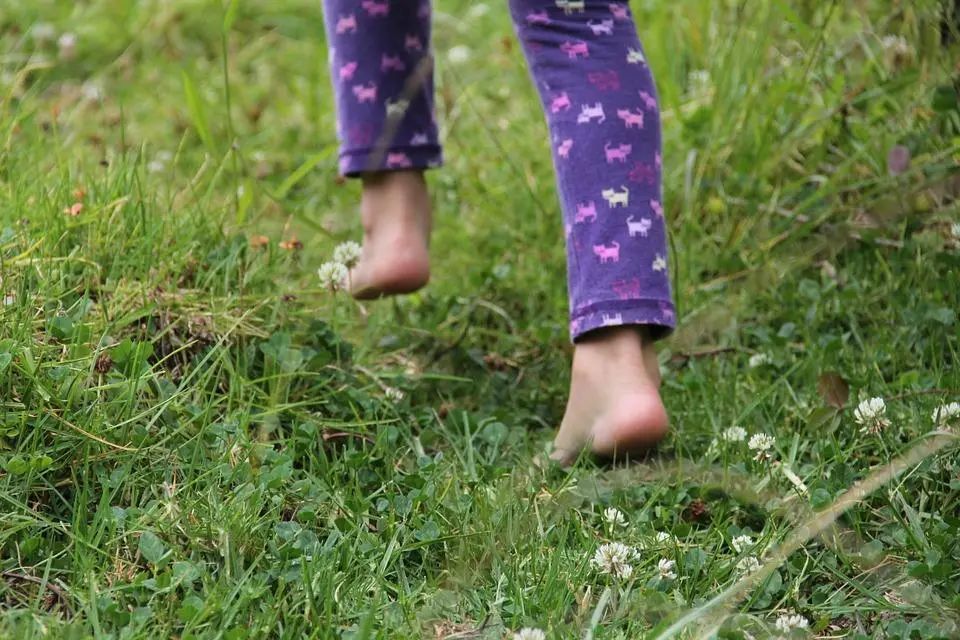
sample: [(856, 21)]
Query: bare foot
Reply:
[(614, 406), (395, 209)]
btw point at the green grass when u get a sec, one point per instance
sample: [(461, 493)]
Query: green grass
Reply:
[(196, 441)]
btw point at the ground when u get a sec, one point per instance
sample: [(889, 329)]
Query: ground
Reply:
[(198, 441)]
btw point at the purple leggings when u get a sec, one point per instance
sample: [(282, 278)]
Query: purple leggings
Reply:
[(601, 106)]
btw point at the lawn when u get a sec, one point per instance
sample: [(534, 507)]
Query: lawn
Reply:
[(198, 441)]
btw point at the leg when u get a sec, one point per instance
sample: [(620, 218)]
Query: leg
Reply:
[(601, 108), (382, 75)]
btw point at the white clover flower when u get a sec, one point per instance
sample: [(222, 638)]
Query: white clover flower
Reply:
[(159, 162), (758, 360), (347, 253), (67, 45), (741, 542), (614, 517), (666, 569), (699, 81), (333, 275), (92, 91), (788, 622), (529, 633), (614, 558), (43, 32), (9, 300), (898, 51), (869, 414), (748, 564), (478, 10), (955, 230), (394, 394), (663, 537), (946, 414), (734, 434), (761, 443), (459, 54)]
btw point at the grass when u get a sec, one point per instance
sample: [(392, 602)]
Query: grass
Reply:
[(198, 442)]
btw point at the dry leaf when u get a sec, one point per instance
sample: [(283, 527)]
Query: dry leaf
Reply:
[(833, 389)]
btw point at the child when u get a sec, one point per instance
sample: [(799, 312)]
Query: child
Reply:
[(600, 102)]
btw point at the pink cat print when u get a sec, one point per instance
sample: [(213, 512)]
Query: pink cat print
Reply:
[(631, 119), (560, 102), (618, 153), (563, 150), (392, 63), (399, 160), (365, 93), (346, 23), (666, 312), (648, 101), (347, 70), (606, 253), (374, 8), (538, 17), (619, 11), (586, 211), (574, 49)]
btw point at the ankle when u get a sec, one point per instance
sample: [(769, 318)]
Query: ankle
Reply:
[(404, 182), (620, 343), (395, 202), (626, 351)]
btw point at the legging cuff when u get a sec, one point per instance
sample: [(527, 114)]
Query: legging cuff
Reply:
[(357, 161), (659, 316)]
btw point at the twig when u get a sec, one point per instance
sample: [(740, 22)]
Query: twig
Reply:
[(924, 392), (53, 588), (708, 353), (333, 435), (119, 447)]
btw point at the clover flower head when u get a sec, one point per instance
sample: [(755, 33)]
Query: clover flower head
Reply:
[(758, 360), (614, 558), (347, 253), (741, 542), (734, 434), (394, 394), (333, 275), (870, 415), (748, 564), (787, 622), (946, 414), (667, 569), (459, 54), (761, 443), (614, 517)]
